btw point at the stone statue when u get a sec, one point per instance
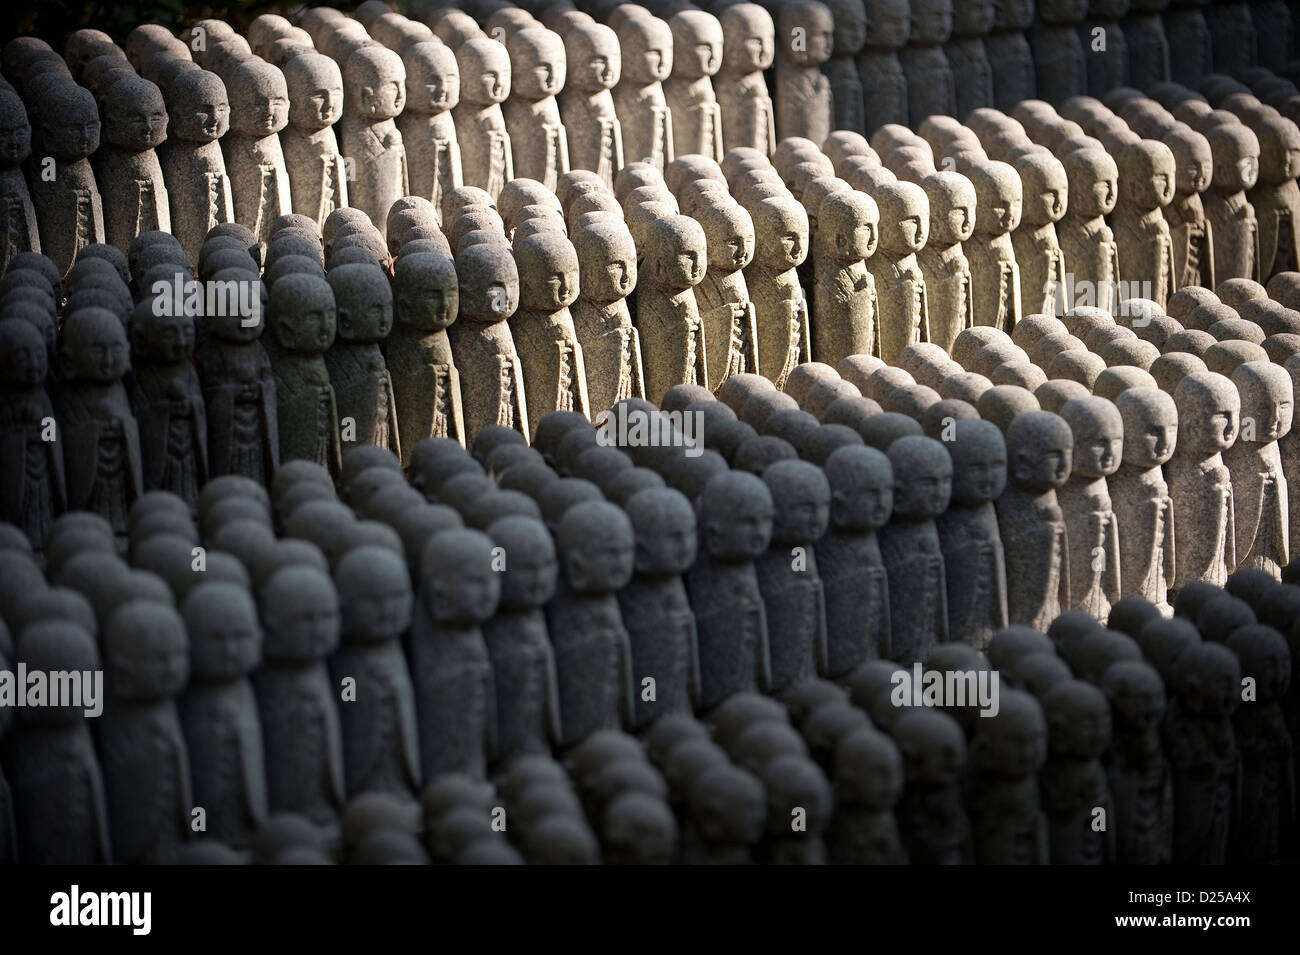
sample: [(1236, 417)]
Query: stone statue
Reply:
[(192, 165), (425, 382), (239, 396), (1086, 241), (1276, 197), (646, 123), (54, 776), (1092, 529), (126, 166), (931, 817), (944, 266), (218, 711), (1009, 749), (1146, 183), (697, 56), (972, 73), (167, 398), (1030, 521), (1106, 68), (304, 322), (1144, 511), (1259, 487), (909, 545), (318, 174), (849, 561), (1236, 231), (735, 524), (375, 93), (844, 295), (868, 782), (20, 230), (1191, 48), (99, 434), (523, 663), (903, 309), (295, 696), (1200, 483), (1038, 251), (995, 276), (69, 211), (381, 751), (1058, 49), (611, 345), (1202, 750), (487, 161), (788, 575), (586, 103), (1148, 46), (884, 85), (968, 533), (1010, 55), (804, 98), (363, 386), (1189, 228), (426, 124), (848, 37), (539, 144), (555, 375), (748, 48), (1137, 771), (33, 490), (655, 607), (492, 380), (1073, 780), (931, 86), (593, 660), (451, 671), (255, 161), (141, 746), (668, 318)]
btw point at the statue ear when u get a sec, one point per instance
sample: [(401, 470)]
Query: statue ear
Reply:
[(344, 322), (367, 96)]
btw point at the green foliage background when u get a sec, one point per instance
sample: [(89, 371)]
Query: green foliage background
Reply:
[(53, 20)]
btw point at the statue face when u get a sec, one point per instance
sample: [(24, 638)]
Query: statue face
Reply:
[(681, 265), (1087, 730), (152, 663), (101, 355), (817, 42), (225, 646), (925, 493), (24, 362), (669, 546), (1155, 186), (850, 30), (137, 123), (1150, 438), (530, 577), (802, 510), (432, 81), (979, 473), (15, 140), (1268, 402), (601, 564), (931, 21), (1006, 212), (707, 57), (914, 230), (973, 17), (74, 135), (537, 65), (303, 627), (865, 501), (740, 529), (267, 113), (606, 265), (1215, 431), (428, 301), (467, 592), (1141, 707), (171, 337), (888, 23), (1097, 447), (381, 611), (1045, 464), (363, 318), (960, 220), (1194, 169), (1020, 746), (492, 86), (324, 105)]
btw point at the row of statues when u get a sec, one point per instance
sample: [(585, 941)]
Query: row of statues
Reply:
[(573, 651)]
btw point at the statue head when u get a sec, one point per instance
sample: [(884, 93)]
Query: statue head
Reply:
[(1266, 400), (979, 462), (135, 115), (1040, 450), (432, 78), (931, 22), (315, 86), (303, 315), (93, 347), (1012, 742), (1044, 188), (363, 302), (1193, 161), (458, 576), (780, 233), (1150, 424), (1236, 158), (697, 44), (904, 218), (888, 24), (374, 591), (922, 477), (801, 497), (1098, 431), (548, 272), (1279, 149), (15, 131), (595, 60), (998, 196), (663, 523), (484, 68), (606, 261), (597, 547), (374, 78), (224, 632), (810, 23), (849, 225), (488, 283), (537, 63), (749, 38), (425, 291), (952, 207), (862, 489), (736, 516), (1209, 407), (676, 254), (300, 614), (259, 98), (69, 123), (24, 362), (146, 651), (647, 50), (1146, 175)]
